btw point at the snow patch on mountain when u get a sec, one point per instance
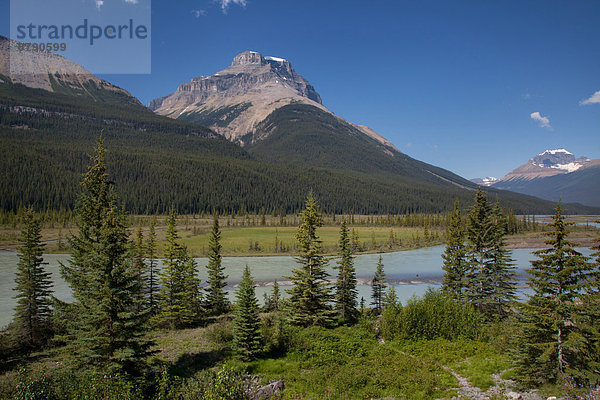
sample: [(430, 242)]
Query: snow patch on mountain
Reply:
[(555, 152), (277, 59)]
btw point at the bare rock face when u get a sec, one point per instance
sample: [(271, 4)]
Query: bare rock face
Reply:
[(235, 100), (53, 72)]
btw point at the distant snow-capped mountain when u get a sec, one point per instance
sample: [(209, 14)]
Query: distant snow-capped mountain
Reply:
[(547, 163), (554, 175), (487, 181)]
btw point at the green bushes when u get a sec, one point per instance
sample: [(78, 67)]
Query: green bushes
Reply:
[(430, 317)]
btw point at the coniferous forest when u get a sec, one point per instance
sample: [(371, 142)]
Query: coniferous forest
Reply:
[(137, 331), (159, 163)]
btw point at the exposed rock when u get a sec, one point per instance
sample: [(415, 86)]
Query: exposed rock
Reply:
[(259, 392), (46, 70), (235, 100)]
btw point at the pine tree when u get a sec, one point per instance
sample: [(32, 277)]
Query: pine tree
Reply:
[(139, 264), (33, 287), (310, 293), (589, 320), (152, 283), (272, 301), (502, 269), (378, 286), (216, 300), (481, 234), (346, 293), (246, 323), (178, 295), (106, 328), (390, 299), (547, 320), (456, 265)]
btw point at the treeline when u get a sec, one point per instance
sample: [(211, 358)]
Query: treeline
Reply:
[(162, 163)]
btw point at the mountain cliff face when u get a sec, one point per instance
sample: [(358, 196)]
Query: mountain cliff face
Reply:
[(234, 101), (55, 73), (555, 175)]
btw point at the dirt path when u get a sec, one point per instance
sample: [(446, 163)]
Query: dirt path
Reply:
[(500, 390)]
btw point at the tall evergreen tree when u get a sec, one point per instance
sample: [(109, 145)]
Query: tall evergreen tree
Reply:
[(139, 264), (378, 286), (547, 320), (178, 296), (346, 293), (502, 269), (153, 272), (481, 234), (33, 286), (310, 294), (246, 323), (106, 329), (216, 300), (456, 265), (589, 320)]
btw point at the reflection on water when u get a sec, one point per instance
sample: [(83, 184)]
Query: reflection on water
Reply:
[(412, 272)]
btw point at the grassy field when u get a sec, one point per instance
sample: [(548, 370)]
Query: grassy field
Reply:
[(247, 236)]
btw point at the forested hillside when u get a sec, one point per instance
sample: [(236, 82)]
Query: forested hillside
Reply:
[(160, 162)]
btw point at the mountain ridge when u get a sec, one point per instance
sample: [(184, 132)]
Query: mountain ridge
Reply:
[(55, 73)]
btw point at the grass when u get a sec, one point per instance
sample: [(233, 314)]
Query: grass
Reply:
[(340, 363), (475, 360), (243, 240), (349, 363)]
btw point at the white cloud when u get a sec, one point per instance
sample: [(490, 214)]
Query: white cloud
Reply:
[(99, 3), (225, 4), (131, 1), (199, 13), (543, 121), (593, 99)]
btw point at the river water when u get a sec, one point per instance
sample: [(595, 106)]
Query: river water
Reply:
[(411, 271)]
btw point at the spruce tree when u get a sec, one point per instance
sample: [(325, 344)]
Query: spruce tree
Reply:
[(589, 321), (106, 328), (33, 287), (246, 323), (548, 319), (153, 271), (502, 269), (378, 286), (456, 265), (178, 295), (346, 293), (139, 264), (310, 294), (272, 301), (481, 233), (216, 300)]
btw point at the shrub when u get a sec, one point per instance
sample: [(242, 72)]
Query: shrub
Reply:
[(432, 316), (220, 332), (227, 384)]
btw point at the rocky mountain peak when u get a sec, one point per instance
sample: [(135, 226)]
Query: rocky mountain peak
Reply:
[(559, 159), (548, 163), (248, 57)]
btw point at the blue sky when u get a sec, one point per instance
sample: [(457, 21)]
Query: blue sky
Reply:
[(477, 87)]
